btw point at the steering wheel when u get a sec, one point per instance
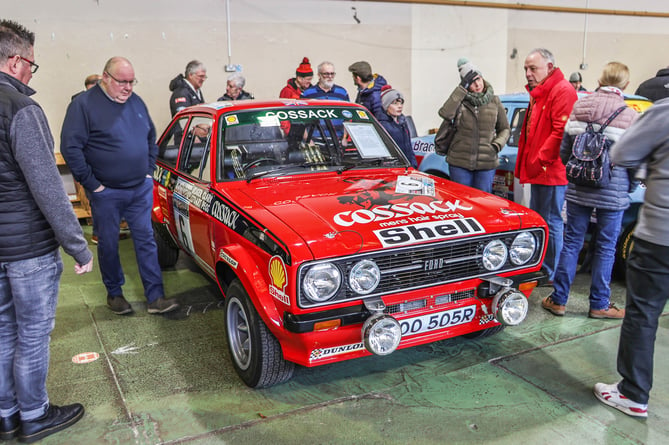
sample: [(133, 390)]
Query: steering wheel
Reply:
[(258, 162)]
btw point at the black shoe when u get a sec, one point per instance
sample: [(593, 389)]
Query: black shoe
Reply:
[(9, 426), (118, 305), (162, 305), (55, 419)]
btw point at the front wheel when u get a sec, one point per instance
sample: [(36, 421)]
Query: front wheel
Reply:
[(256, 353)]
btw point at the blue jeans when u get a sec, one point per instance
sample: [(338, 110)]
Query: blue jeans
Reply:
[(135, 205), (28, 298), (647, 294), (608, 229), (547, 201), (479, 179)]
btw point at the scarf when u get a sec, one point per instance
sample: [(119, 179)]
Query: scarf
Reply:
[(480, 99)]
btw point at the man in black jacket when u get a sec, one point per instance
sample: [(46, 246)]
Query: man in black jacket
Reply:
[(186, 88), (36, 218), (657, 87)]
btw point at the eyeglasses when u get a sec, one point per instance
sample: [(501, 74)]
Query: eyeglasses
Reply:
[(123, 83), (327, 74), (33, 66)]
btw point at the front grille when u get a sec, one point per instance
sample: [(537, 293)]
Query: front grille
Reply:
[(425, 265), (433, 301)]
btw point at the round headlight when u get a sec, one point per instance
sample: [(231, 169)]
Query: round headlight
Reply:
[(522, 248), (364, 277), (494, 255), (510, 307), (321, 282), (381, 334)]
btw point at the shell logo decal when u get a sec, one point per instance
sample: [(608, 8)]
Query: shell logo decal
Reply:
[(278, 279)]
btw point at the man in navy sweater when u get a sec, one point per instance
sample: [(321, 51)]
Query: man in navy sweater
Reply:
[(108, 141)]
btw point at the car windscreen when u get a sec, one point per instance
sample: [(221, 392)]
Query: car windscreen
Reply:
[(294, 139)]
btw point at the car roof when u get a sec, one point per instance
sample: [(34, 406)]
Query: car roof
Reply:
[(525, 97), (243, 105)]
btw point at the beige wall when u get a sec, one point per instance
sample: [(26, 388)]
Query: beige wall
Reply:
[(414, 46), (441, 36)]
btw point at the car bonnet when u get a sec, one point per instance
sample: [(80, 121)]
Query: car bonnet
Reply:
[(350, 213)]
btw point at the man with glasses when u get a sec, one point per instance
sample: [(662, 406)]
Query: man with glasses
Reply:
[(187, 88), (108, 141), (326, 88), (36, 218)]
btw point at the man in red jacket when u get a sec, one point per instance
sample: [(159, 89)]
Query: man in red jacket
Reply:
[(551, 100)]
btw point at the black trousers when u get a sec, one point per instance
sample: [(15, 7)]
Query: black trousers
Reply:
[(647, 293)]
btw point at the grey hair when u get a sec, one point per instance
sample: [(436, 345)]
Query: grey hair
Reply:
[(545, 54), (237, 79), (322, 64), (193, 67), (15, 39)]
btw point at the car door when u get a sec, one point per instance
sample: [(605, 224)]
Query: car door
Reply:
[(190, 197)]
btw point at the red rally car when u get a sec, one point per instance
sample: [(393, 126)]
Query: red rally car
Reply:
[(326, 244)]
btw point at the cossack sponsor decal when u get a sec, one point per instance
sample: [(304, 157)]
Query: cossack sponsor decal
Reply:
[(278, 279), (439, 209), (428, 231), (304, 114), (322, 353), (395, 203)]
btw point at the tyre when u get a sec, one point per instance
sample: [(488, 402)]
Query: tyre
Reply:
[(255, 352), (485, 332), (168, 252), (623, 249)]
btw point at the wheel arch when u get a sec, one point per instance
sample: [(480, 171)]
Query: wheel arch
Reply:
[(234, 263)]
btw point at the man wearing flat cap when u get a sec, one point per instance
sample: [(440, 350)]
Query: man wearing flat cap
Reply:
[(576, 80)]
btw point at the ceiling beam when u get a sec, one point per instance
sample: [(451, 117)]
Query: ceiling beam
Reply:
[(526, 7)]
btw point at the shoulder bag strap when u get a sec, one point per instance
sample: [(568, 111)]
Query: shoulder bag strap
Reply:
[(610, 119)]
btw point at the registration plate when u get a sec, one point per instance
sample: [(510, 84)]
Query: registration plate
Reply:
[(440, 320)]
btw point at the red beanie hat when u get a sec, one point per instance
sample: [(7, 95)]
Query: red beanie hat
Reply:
[(304, 70)]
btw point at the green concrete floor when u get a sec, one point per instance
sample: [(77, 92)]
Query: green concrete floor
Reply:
[(168, 379)]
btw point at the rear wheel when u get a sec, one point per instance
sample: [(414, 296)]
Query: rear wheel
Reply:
[(168, 252), (255, 352), (484, 332)]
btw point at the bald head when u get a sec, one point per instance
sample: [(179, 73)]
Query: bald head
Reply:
[(118, 79)]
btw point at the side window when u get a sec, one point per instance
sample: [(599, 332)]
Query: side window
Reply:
[(169, 147), (516, 126), (195, 149)]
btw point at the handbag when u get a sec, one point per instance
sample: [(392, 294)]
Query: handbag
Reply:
[(446, 132)]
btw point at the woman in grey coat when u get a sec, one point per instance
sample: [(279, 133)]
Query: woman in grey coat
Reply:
[(609, 202)]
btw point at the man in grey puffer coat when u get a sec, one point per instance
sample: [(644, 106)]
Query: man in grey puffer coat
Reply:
[(648, 265)]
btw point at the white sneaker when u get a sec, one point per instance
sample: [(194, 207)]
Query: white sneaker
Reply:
[(609, 395)]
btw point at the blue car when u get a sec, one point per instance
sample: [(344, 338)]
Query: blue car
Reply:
[(504, 183)]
